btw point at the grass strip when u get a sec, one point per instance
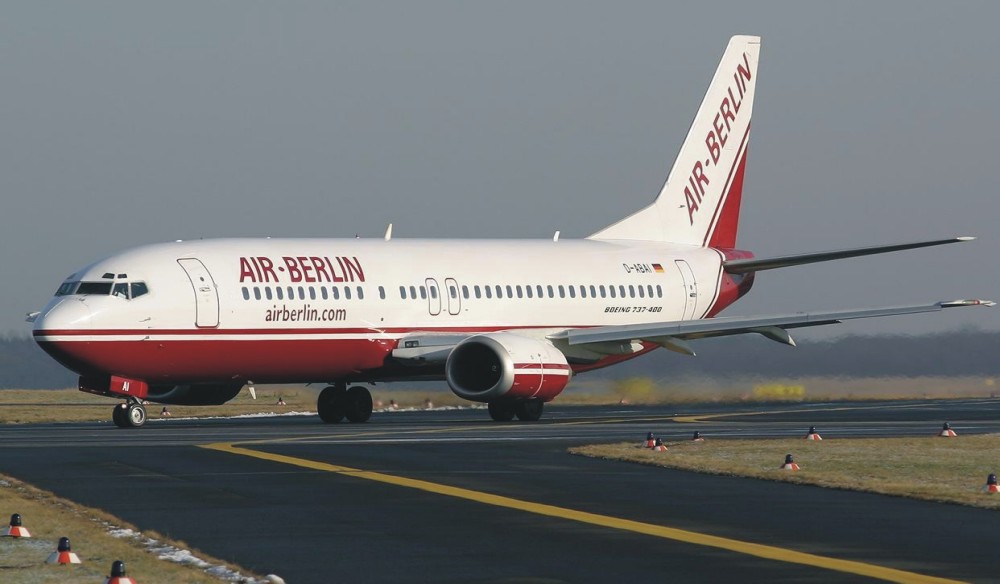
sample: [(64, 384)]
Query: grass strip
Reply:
[(48, 517), (950, 470)]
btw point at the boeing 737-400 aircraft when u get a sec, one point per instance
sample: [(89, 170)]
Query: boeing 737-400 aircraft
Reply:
[(505, 322)]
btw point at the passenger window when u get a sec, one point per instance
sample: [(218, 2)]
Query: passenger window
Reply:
[(642, 293), (520, 292), (267, 292), (649, 288), (280, 292), (256, 292), (562, 291), (603, 295), (139, 289), (539, 292), (465, 291), (593, 291), (324, 293), (302, 293), (361, 293), (381, 292), (402, 292), (552, 293), (611, 291), (413, 292), (583, 290), (572, 291), (510, 291), (489, 291), (246, 293), (659, 291), (291, 293), (631, 291), (527, 290), (347, 292), (621, 290), (434, 292), (312, 293), (423, 292), (453, 291), (499, 291), (476, 289), (336, 292)]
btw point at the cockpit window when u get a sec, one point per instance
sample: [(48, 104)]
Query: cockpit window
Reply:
[(67, 288), (124, 290), (96, 288)]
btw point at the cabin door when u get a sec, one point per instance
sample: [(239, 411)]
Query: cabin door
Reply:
[(206, 295)]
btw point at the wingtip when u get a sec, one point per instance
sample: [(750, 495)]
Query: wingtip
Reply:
[(970, 302), (966, 238)]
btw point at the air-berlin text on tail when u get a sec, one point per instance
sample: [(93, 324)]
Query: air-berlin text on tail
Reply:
[(718, 135), (301, 269)]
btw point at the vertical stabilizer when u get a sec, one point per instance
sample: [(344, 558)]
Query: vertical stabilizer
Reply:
[(700, 202)]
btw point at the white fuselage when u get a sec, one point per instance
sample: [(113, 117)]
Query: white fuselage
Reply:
[(316, 310)]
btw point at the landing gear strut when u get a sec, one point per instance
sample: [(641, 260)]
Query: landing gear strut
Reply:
[(130, 414), (338, 401)]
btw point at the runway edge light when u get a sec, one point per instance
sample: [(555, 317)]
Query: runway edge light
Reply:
[(15, 529), (813, 434), (946, 431), (118, 575), (63, 554), (659, 446), (650, 441), (697, 437), (991, 484), (789, 463)]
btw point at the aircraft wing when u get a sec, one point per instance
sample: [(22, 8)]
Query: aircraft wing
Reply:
[(673, 334)]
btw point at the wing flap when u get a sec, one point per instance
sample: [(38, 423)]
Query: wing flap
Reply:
[(770, 326)]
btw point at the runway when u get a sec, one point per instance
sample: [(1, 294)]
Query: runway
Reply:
[(448, 496)]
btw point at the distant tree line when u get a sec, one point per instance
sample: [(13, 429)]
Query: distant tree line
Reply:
[(958, 353)]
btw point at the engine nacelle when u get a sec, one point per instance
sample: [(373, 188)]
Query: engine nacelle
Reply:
[(496, 366)]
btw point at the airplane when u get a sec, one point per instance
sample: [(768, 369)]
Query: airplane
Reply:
[(505, 322)]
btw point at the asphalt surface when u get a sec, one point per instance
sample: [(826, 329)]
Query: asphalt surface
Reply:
[(505, 502)]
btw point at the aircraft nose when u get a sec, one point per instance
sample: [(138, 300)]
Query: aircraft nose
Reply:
[(67, 314)]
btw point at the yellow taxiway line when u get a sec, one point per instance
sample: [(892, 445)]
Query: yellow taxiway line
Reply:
[(743, 547)]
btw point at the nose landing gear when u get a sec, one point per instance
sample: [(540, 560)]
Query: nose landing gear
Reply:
[(130, 414)]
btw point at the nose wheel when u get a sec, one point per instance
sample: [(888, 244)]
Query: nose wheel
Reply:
[(130, 414)]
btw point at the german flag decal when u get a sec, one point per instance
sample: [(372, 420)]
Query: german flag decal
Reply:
[(658, 268)]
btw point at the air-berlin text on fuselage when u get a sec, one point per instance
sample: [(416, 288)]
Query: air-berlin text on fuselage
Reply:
[(301, 269), (718, 135)]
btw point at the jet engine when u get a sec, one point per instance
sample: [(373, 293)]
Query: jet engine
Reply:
[(506, 366)]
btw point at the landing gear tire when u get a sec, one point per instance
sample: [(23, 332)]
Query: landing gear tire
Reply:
[(359, 404), (501, 411), (135, 415), (118, 415), (332, 404), (529, 410)]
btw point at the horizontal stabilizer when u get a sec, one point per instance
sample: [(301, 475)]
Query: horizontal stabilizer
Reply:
[(757, 264), (737, 325)]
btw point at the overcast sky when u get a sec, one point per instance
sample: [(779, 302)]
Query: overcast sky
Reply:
[(126, 123)]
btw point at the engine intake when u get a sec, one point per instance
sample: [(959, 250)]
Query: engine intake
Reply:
[(506, 366)]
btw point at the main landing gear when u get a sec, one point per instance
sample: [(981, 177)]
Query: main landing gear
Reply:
[(337, 402), (529, 410), (130, 414)]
